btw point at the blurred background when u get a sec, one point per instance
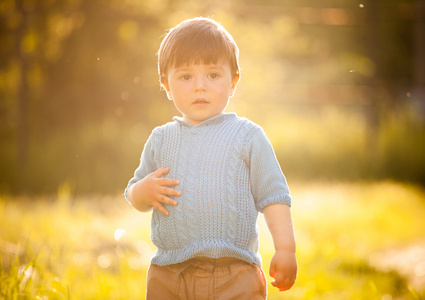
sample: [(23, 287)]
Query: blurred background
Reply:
[(338, 85)]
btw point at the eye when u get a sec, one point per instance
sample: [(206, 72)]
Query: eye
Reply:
[(213, 75), (186, 77)]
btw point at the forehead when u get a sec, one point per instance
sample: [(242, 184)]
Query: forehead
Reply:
[(199, 58)]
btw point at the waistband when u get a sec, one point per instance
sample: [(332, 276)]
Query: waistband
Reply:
[(205, 263)]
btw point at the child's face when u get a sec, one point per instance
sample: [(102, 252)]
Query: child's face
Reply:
[(200, 91)]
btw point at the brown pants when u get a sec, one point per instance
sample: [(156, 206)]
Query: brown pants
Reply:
[(205, 278)]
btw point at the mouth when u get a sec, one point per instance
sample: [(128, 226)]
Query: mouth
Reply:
[(200, 101)]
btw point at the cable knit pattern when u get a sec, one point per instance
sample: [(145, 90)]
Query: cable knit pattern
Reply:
[(228, 173)]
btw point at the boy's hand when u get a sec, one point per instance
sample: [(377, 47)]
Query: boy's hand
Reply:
[(283, 268), (152, 191)]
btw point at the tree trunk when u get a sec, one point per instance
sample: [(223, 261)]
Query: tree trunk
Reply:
[(23, 93), (372, 47)]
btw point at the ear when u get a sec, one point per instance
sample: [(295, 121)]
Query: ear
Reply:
[(235, 81), (164, 84)]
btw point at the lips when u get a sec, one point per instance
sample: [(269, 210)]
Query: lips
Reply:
[(200, 102)]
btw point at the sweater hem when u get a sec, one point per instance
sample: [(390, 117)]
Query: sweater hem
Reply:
[(170, 257)]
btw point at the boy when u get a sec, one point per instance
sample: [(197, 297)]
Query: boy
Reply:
[(224, 171)]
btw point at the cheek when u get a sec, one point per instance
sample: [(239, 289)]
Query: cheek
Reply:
[(226, 90), (177, 88)]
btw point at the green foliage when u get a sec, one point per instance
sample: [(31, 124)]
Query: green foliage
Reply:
[(401, 144), (335, 144), (26, 281), (16, 281), (98, 247)]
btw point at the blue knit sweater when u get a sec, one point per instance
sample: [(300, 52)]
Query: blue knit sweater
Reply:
[(228, 173)]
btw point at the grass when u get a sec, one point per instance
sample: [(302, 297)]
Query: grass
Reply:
[(98, 247)]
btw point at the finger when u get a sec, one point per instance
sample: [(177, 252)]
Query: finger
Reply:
[(284, 286), (170, 192), (291, 283), (161, 208), (167, 200), (279, 280), (160, 172), (287, 284), (168, 181), (272, 271)]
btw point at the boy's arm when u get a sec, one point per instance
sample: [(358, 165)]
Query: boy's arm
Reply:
[(283, 267), (152, 191)]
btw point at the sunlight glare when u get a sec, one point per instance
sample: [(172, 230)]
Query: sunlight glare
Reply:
[(103, 261), (335, 16), (119, 234), (137, 80), (128, 30), (420, 269)]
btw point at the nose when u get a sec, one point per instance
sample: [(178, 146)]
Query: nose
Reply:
[(200, 84)]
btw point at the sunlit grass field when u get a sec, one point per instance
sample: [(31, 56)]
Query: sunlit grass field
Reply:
[(352, 240)]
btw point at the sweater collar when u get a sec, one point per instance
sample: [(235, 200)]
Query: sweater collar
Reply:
[(211, 121)]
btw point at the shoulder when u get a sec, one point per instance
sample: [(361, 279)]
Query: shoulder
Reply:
[(249, 128), (165, 128), (248, 135), (244, 123), (158, 133)]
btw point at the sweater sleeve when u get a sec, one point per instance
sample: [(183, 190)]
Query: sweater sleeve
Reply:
[(268, 184), (146, 165)]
